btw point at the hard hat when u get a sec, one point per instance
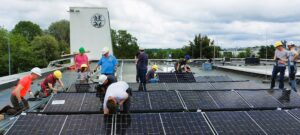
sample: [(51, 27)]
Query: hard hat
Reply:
[(278, 43), (105, 50), (187, 57), (142, 48), (83, 65), (57, 74), (155, 67), (37, 71), (81, 50), (291, 44), (102, 79)]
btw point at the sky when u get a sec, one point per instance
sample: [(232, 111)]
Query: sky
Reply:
[(173, 23)]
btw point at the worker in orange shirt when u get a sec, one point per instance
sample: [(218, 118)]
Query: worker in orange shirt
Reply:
[(18, 94)]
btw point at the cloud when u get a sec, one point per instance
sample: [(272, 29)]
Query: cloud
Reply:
[(172, 23)]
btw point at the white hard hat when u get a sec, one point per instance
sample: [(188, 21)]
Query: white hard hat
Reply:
[(102, 79), (291, 43), (142, 48), (37, 71), (105, 50)]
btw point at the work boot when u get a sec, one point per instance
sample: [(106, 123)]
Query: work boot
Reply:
[(285, 97), (141, 87)]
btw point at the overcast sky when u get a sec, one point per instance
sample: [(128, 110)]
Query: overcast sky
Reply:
[(172, 23)]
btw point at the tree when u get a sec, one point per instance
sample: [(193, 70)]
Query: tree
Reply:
[(270, 51), (46, 49), (27, 29), (242, 55), (248, 52), (3, 51), (61, 31)]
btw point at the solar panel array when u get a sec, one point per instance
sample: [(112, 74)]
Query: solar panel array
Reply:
[(74, 103), (294, 99), (238, 85), (176, 77), (82, 88), (214, 79)]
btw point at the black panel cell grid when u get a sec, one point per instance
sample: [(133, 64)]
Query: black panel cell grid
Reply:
[(219, 79), (185, 124), (276, 122), (34, 124), (167, 77), (195, 100), (140, 102), (156, 86), (185, 77), (72, 103), (293, 102), (201, 79), (139, 124), (200, 86), (233, 123), (87, 125), (91, 103), (228, 100), (295, 112), (82, 88), (134, 86), (165, 101), (259, 99), (177, 86)]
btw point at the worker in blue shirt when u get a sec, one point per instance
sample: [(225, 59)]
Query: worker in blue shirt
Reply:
[(107, 62)]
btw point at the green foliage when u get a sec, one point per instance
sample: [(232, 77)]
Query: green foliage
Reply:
[(124, 44), (228, 55), (248, 52), (61, 31), (270, 52), (27, 29), (46, 49), (242, 55)]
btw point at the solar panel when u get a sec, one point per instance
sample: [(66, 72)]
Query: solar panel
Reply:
[(195, 100), (134, 86), (276, 122), (238, 85), (156, 86), (259, 99), (295, 112), (139, 124), (228, 100), (200, 86), (201, 79), (165, 101), (177, 86), (35, 124), (167, 77), (87, 124), (185, 123), (233, 123), (140, 102), (219, 79), (185, 77), (294, 101), (69, 103), (82, 88)]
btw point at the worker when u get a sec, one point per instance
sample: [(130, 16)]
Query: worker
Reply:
[(137, 78), (117, 96), (142, 65), (83, 75), (293, 57), (23, 86), (104, 82), (182, 62), (281, 58), (151, 77), (7, 110), (107, 62), (80, 59), (48, 85)]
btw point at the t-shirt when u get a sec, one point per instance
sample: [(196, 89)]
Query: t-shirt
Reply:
[(81, 59), (116, 90), (291, 55), (26, 83), (49, 79), (282, 55), (108, 64), (142, 61)]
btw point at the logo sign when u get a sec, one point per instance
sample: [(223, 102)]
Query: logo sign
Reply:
[(98, 20)]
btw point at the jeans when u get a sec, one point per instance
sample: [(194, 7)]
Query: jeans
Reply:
[(137, 77), (276, 70), (292, 77), (15, 103), (142, 76)]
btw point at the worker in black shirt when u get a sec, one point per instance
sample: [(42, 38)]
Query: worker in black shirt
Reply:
[(104, 82), (136, 66), (182, 62), (142, 64)]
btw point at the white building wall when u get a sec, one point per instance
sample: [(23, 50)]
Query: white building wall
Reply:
[(90, 28)]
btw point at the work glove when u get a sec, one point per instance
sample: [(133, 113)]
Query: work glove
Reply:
[(95, 71), (21, 104)]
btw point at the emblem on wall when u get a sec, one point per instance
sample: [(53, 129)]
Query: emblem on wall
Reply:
[(98, 20)]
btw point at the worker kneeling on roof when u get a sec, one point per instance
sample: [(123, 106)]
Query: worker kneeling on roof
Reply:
[(117, 98), (18, 94), (181, 65), (48, 85), (104, 82), (151, 77)]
